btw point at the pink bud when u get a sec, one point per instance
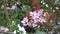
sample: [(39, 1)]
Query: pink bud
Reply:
[(13, 8)]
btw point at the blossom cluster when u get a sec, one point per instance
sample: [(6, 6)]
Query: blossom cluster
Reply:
[(34, 18)]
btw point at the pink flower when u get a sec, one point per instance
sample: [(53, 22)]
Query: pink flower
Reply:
[(36, 20), (29, 24), (25, 24), (44, 14), (4, 29), (34, 25), (24, 20), (36, 14), (42, 20), (13, 7), (41, 11)]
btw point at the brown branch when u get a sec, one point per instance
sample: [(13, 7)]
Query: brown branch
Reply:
[(7, 15), (0, 23)]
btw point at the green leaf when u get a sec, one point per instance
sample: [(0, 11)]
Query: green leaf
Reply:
[(40, 32)]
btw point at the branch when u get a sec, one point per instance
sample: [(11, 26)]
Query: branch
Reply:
[(7, 15)]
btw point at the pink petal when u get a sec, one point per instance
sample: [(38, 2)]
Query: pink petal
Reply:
[(31, 13), (35, 21), (22, 22), (34, 25), (25, 24), (13, 8), (44, 15), (42, 20), (41, 11)]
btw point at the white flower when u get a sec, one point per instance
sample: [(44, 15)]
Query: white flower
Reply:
[(14, 32), (21, 29), (17, 2), (47, 5), (53, 10), (2, 6), (50, 7), (7, 7), (44, 3), (13, 22), (57, 8), (31, 13)]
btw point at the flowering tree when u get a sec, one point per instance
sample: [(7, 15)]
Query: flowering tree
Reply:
[(36, 19), (14, 11)]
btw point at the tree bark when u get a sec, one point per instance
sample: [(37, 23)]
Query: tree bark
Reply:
[(7, 15)]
